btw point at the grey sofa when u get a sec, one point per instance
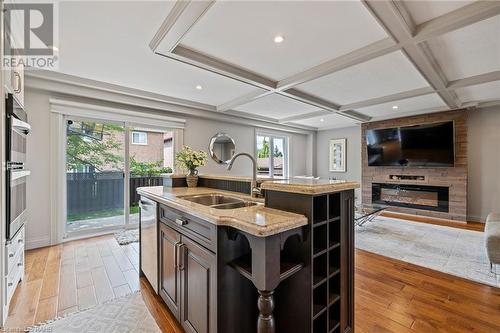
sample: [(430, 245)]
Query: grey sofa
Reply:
[(492, 238)]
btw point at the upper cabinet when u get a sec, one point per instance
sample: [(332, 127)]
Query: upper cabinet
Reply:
[(14, 74)]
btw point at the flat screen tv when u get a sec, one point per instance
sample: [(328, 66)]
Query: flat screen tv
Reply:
[(426, 145)]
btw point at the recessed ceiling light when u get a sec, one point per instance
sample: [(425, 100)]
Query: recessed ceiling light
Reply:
[(322, 120), (395, 107), (279, 39), (198, 87)]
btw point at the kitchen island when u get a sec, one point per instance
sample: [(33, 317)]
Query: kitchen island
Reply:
[(281, 264)]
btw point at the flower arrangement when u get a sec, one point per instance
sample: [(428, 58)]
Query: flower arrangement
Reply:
[(190, 159)]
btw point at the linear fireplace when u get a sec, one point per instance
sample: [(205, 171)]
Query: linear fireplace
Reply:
[(426, 197)]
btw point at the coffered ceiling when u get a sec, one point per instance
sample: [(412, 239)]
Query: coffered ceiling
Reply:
[(340, 62)]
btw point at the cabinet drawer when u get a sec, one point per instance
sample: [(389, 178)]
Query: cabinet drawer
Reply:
[(15, 274), (13, 248), (201, 231)]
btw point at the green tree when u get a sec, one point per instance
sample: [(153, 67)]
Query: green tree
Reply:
[(277, 152), (83, 149), (264, 151), (147, 169)]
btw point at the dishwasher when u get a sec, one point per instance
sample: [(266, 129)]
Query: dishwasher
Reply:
[(149, 241)]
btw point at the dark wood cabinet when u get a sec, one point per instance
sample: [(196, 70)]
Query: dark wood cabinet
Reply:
[(198, 283), (170, 275), (188, 278)]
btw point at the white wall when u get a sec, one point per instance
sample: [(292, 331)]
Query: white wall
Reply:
[(484, 163), (353, 162), (197, 134)]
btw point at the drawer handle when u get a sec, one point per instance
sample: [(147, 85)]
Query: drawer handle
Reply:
[(20, 241), (181, 221), (10, 284), (19, 264), (11, 255)]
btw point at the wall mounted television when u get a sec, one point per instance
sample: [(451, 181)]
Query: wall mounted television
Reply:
[(425, 145)]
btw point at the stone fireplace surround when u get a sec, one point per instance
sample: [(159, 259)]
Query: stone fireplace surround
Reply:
[(454, 178)]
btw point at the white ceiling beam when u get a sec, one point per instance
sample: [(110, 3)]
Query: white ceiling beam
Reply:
[(355, 57), (309, 99), (462, 17), (250, 97), (474, 80), (178, 22), (396, 24), (217, 66)]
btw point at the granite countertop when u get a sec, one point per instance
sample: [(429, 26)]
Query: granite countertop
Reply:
[(309, 186), (256, 220)]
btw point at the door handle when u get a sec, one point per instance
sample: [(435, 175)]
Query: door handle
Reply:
[(180, 256)]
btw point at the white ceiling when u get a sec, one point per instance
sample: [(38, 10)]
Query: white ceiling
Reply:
[(335, 53), (242, 32), (382, 76), (469, 51), (276, 106), (107, 41), (425, 10), (414, 105), (482, 92)]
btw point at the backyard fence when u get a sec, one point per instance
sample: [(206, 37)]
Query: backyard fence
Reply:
[(100, 191)]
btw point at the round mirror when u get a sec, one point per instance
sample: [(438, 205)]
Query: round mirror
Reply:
[(221, 148)]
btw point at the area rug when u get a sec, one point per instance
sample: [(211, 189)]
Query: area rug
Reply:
[(125, 237), (450, 250), (124, 314)]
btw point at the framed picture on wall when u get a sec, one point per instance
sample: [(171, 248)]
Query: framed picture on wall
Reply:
[(338, 155)]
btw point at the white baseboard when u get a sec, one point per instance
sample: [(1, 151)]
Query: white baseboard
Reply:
[(36, 243)]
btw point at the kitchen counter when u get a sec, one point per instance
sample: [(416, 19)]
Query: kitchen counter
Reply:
[(309, 186), (256, 220)]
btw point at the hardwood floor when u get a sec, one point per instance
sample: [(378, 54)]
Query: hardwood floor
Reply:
[(391, 296)]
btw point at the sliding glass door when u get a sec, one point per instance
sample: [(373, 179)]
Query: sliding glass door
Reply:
[(105, 164), (95, 157)]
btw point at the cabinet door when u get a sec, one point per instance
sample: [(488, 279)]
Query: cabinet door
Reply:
[(169, 273), (199, 288)]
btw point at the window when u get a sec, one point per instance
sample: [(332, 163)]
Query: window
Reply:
[(139, 138), (272, 155)]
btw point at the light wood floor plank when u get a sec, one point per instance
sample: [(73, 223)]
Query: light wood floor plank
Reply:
[(46, 309), (122, 290), (67, 291), (103, 289), (114, 272), (86, 297), (132, 278)]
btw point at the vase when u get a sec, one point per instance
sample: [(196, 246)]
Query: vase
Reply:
[(192, 178)]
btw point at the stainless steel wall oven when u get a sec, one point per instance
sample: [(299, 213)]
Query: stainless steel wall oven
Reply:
[(17, 131)]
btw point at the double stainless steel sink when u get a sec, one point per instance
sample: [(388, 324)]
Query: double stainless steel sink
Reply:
[(218, 201)]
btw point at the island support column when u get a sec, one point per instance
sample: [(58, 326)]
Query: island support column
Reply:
[(265, 277)]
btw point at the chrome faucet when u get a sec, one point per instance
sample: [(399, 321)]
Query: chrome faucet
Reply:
[(255, 191)]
